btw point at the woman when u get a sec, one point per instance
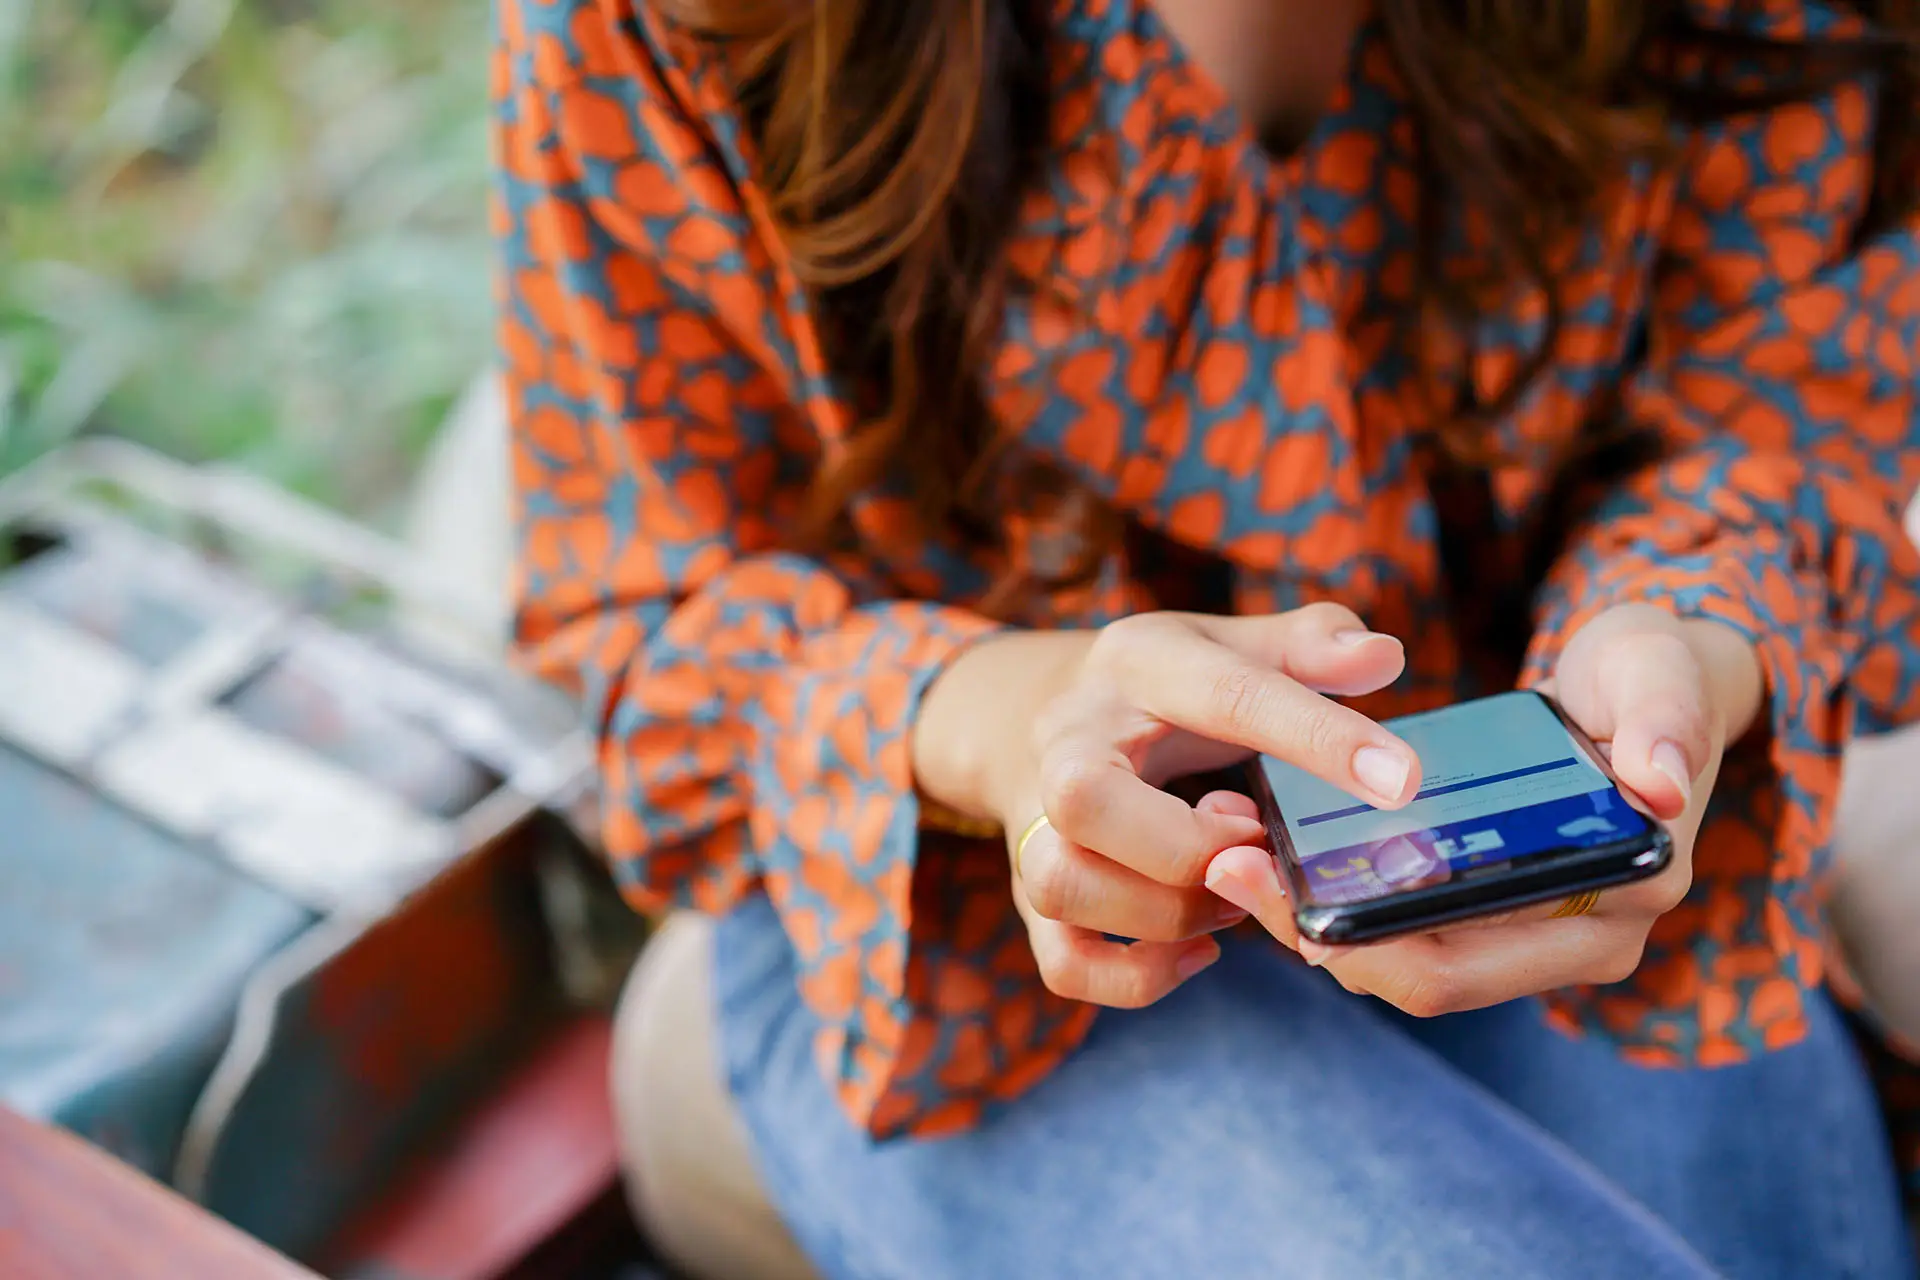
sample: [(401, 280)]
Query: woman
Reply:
[(940, 424)]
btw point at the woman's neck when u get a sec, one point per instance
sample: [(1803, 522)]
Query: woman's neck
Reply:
[(1280, 61)]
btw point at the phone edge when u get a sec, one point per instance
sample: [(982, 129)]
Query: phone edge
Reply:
[(1615, 864)]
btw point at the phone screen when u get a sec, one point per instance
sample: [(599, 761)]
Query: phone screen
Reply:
[(1502, 780)]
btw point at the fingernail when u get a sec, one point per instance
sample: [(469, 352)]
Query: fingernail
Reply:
[(1195, 959), (1357, 636), (1668, 760), (1381, 771), (1315, 953), (1237, 892)]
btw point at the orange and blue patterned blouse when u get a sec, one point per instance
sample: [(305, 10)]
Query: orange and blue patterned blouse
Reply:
[(1216, 356)]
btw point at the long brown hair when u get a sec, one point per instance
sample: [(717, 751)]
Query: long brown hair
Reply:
[(896, 138)]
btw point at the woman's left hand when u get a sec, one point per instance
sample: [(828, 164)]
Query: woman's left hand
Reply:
[(1662, 696)]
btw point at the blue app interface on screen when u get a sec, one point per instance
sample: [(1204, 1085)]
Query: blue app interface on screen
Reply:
[(1502, 780)]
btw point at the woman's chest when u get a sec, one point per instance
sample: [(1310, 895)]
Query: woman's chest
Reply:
[(1280, 62), (1245, 353)]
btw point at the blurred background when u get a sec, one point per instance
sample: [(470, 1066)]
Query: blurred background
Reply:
[(293, 919), (253, 232)]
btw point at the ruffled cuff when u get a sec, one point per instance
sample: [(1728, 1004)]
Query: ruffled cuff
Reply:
[(1726, 974), (909, 949)]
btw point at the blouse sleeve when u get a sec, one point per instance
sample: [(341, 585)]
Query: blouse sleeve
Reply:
[(1780, 372), (751, 705)]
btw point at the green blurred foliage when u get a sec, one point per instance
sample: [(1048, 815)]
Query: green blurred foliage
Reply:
[(244, 229)]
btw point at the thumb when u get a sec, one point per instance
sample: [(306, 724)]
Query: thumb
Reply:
[(1247, 877), (1649, 698)]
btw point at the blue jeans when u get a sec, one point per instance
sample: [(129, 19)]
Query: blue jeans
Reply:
[(1262, 1122)]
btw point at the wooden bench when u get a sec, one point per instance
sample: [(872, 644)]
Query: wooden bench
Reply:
[(70, 1212)]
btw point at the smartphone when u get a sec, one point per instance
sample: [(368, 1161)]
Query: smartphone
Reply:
[(1515, 806)]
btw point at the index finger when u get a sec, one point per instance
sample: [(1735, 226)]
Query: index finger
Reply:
[(1210, 689)]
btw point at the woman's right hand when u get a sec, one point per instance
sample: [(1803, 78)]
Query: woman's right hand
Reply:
[(1082, 728)]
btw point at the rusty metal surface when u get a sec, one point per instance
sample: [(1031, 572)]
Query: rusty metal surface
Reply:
[(538, 1152), (341, 770), (225, 660), (371, 1047), (122, 955), (278, 891)]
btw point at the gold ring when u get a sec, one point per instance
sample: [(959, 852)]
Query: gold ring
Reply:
[(1578, 905), (1020, 845)]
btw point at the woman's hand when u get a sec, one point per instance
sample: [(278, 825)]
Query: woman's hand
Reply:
[(1663, 697), (1080, 728)]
